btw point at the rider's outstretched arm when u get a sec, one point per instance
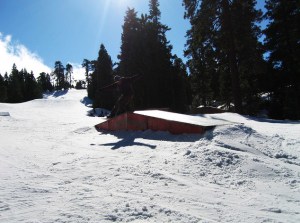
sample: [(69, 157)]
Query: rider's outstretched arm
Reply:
[(109, 87), (135, 77)]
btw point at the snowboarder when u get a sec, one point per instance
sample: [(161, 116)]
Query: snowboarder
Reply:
[(124, 85)]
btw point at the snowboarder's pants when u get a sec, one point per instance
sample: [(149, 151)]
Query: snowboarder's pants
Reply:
[(121, 104)]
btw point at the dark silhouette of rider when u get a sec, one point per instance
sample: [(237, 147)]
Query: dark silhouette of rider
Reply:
[(124, 86)]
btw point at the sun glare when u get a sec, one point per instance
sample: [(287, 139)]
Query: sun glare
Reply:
[(123, 3)]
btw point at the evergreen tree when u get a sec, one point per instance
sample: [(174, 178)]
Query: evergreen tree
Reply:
[(44, 80), (19, 86), (87, 65), (249, 52), (69, 71), (32, 89), (80, 85), (133, 58), (159, 58), (283, 45), (146, 50), (181, 88), (130, 52), (102, 76), (22, 79), (59, 74), (3, 89), (15, 86), (223, 45)]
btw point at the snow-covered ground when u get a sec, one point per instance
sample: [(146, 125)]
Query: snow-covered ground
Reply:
[(55, 167)]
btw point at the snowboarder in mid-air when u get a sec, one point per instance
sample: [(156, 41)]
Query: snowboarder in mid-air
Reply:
[(124, 86)]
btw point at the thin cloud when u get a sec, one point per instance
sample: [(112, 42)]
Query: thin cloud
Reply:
[(78, 71), (11, 52)]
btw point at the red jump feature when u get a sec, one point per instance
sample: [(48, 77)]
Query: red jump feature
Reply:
[(159, 121)]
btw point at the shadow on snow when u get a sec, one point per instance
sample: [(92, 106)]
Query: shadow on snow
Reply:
[(56, 93), (130, 138)]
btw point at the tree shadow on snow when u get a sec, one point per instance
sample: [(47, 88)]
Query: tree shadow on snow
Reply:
[(87, 102), (56, 93), (131, 138)]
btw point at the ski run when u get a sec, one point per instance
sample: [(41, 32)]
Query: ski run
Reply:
[(55, 167)]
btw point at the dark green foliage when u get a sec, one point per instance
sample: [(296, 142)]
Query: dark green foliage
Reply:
[(80, 85), (15, 86), (226, 59), (102, 76), (283, 45), (3, 89), (133, 55), (249, 52), (225, 56), (87, 64), (59, 75), (32, 89), (19, 86), (145, 50), (181, 97), (44, 80), (69, 71)]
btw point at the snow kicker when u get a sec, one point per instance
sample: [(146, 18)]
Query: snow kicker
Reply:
[(160, 121)]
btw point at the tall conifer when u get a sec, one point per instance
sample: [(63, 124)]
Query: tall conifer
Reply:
[(223, 45), (102, 76), (283, 45)]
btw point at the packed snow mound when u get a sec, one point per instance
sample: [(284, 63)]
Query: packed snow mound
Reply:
[(55, 167), (70, 94)]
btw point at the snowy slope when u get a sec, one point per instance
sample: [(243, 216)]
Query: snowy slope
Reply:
[(55, 167)]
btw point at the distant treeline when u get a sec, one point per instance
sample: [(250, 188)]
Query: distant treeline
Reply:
[(231, 60), (21, 86)]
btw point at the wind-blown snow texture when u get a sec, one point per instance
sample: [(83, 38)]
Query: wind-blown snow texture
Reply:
[(55, 167)]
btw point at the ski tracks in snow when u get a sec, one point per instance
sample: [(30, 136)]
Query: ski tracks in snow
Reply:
[(55, 167)]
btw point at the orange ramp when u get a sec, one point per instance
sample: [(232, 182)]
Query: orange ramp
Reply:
[(159, 121)]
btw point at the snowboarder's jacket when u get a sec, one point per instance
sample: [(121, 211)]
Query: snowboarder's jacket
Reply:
[(124, 85)]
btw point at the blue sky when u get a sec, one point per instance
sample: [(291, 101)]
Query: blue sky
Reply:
[(72, 30)]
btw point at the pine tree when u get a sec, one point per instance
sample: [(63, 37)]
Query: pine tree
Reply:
[(32, 89), (87, 65), (181, 88), (202, 52), (223, 45), (69, 71), (145, 50), (102, 76), (282, 43), (59, 74), (3, 89), (133, 55), (159, 58), (44, 80), (80, 84), (249, 52), (15, 86), (131, 38)]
